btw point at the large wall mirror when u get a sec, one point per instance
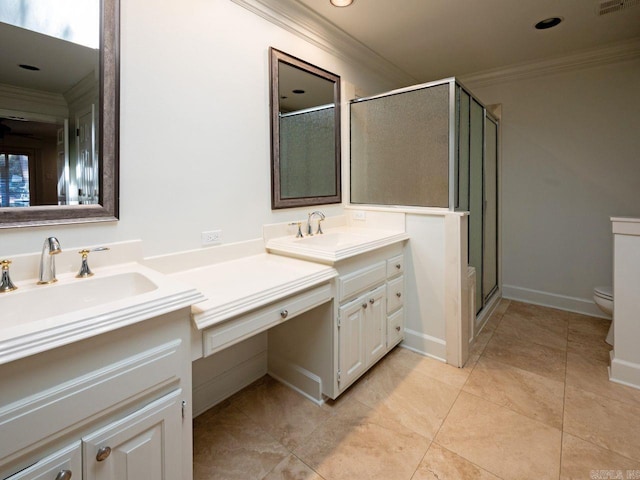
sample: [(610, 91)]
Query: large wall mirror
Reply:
[(59, 111), (305, 133)]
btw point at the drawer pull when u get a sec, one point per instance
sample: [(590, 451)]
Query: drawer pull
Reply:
[(372, 301), (63, 475), (103, 453), (398, 328), (364, 305), (398, 266), (398, 294), (284, 313)]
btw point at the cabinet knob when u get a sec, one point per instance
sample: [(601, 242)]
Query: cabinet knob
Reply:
[(372, 301), (103, 453), (398, 328), (398, 266), (63, 475), (364, 305), (398, 294), (284, 313)]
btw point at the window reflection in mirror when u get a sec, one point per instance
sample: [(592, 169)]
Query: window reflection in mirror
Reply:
[(49, 101), (305, 127)]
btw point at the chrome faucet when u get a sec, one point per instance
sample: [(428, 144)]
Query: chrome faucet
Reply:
[(320, 216), (50, 248)]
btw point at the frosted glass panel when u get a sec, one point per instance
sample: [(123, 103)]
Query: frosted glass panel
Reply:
[(400, 149), (307, 146), (463, 151), (476, 198), (490, 264)]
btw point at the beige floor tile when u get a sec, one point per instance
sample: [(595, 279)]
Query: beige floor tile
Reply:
[(404, 361), (582, 459), (501, 441), (539, 313), (280, 411), (359, 443), (291, 468), (442, 464), (541, 330), (586, 326), (591, 374), (540, 359), (409, 397), (533, 395), (228, 445), (503, 306), (604, 421)]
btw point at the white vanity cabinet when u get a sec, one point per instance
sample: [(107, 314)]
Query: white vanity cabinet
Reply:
[(113, 406), (372, 323), (323, 351)]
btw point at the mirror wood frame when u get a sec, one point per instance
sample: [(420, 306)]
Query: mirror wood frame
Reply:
[(109, 141), (277, 202)]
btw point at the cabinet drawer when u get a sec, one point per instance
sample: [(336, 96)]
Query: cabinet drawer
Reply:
[(395, 266), (353, 283), (395, 328), (68, 458), (395, 294), (232, 331)]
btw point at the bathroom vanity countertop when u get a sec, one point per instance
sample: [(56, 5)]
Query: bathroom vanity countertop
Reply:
[(336, 244), (237, 286), (36, 318)]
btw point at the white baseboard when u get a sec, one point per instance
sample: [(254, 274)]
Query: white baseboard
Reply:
[(623, 372), (425, 345), (297, 378), (547, 299)]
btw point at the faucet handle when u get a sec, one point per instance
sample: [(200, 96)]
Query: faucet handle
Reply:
[(319, 231), (298, 224), (85, 271), (6, 285)]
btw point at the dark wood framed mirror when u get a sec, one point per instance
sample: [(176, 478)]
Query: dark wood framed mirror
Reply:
[(305, 133), (94, 165)]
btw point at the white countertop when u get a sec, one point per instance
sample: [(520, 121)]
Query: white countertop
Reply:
[(335, 244), (238, 286), (36, 318)]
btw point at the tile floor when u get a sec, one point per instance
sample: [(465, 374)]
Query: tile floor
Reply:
[(533, 402)]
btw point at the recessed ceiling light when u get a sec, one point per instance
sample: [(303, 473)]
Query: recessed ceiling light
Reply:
[(341, 3), (548, 23), (298, 91)]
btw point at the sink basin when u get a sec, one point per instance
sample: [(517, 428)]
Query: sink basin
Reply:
[(335, 244), (41, 302)]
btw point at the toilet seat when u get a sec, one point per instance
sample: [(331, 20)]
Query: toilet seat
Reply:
[(604, 292)]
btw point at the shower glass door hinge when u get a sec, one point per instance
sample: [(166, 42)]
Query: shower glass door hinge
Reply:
[(184, 406), (339, 375)]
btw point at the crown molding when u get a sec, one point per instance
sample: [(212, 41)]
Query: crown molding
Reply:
[(308, 25), (616, 53)]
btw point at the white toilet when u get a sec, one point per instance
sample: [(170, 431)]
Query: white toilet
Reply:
[(603, 296)]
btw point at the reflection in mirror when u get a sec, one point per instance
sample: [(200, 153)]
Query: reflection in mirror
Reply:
[(58, 111), (305, 133)]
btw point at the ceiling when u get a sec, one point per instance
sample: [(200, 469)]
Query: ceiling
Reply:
[(433, 39)]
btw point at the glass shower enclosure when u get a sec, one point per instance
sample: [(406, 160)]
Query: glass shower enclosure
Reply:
[(432, 145)]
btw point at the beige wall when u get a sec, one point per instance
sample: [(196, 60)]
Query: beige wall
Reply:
[(570, 160), (194, 92)]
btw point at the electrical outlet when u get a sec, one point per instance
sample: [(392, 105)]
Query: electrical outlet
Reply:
[(212, 237), (359, 215)]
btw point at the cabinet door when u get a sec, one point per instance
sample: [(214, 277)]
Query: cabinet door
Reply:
[(350, 333), (146, 445), (375, 325), (65, 464)]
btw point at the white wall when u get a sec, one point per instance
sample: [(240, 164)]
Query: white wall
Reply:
[(570, 160), (194, 93)]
